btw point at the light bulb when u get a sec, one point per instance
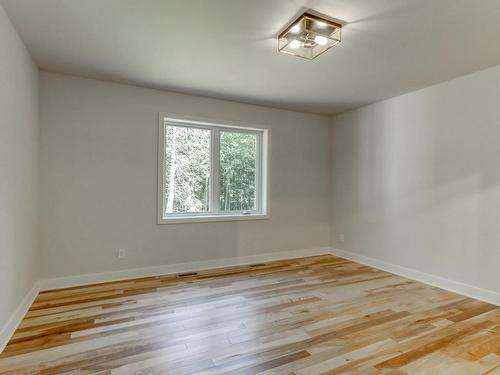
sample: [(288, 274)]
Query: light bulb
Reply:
[(321, 24), (295, 29), (321, 40), (295, 43)]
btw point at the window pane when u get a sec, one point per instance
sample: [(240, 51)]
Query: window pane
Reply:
[(187, 169), (238, 161)]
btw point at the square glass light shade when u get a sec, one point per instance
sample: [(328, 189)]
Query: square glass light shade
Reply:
[(309, 36)]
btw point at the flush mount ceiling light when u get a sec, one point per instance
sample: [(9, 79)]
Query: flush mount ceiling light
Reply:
[(309, 36)]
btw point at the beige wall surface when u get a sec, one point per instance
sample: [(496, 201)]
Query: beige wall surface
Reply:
[(99, 180), (416, 180), (18, 170)]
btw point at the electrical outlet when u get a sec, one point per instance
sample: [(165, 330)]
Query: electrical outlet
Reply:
[(122, 253), (341, 237)]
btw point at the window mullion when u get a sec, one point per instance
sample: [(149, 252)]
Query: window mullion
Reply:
[(215, 177)]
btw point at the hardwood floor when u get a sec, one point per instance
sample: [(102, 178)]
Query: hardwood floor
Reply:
[(316, 315)]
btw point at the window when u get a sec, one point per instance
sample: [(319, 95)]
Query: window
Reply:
[(211, 172)]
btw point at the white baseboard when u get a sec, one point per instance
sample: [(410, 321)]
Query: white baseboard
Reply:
[(70, 281), (8, 330), (467, 290)]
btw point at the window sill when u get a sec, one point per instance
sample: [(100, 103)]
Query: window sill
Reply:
[(208, 218)]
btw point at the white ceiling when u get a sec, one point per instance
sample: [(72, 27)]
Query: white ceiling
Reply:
[(227, 48)]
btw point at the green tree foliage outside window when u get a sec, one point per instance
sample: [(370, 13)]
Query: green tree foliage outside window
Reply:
[(188, 170), (238, 153), (187, 177)]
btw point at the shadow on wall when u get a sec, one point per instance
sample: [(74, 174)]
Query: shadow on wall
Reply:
[(416, 182)]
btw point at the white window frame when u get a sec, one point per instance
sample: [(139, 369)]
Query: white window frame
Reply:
[(214, 214)]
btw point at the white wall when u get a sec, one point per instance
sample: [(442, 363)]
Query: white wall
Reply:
[(99, 180), (416, 180), (18, 170)]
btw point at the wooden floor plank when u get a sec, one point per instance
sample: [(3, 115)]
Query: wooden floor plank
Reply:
[(313, 315)]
